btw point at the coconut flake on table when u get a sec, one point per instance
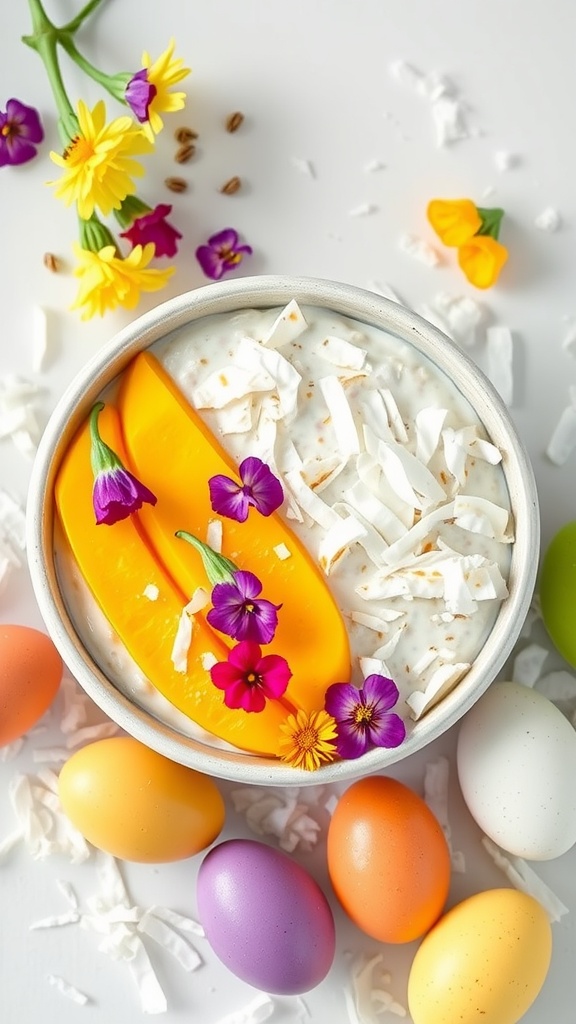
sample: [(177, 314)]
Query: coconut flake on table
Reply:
[(462, 315), (43, 826), (66, 989), (303, 165), (524, 878), (563, 440), (363, 210), (122, 927), (436, 776), (258, 1010), (499, 349), (557, 686), (419, 249), (505, 161), (287, 814), (569, 339), (11, 750), (528, 663), (369, 996), (17, 413), (374, 165), (548, 220), (40, 347)]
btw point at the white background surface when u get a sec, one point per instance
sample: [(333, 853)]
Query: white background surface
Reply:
[(312, 77)]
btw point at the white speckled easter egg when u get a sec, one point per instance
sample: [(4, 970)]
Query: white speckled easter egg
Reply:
[(517, 771)]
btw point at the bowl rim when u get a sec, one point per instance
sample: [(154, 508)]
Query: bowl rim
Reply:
[(267, 291)]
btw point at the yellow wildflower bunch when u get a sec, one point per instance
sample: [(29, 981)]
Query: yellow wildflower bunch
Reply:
[(473, 231), (99, 166)]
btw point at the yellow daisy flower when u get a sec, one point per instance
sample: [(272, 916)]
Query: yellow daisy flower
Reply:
[(98, 165), (308, 740), (108, 281), (164, 73)]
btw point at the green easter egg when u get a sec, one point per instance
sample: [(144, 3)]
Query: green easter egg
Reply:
[(558, 591)]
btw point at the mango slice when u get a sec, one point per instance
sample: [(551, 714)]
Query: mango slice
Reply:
[(117, 565), (171, 449)]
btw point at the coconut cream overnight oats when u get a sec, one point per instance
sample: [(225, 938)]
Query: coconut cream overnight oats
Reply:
[(388, 481)]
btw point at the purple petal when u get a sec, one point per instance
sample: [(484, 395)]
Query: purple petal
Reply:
[(381, 692), (260, 624), (139, 95), (228, 498), (210, 261), (117, 494), (265, 490), (248, 584), (351, 742), (15, 151), (341, 701), (227, 239), (389, 731), (26, 118)]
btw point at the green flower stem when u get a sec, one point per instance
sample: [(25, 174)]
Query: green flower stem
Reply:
[(102, 458), (72, 26), (94, 235), (132, 207), (44, 40), (218, 568), (114, 84)]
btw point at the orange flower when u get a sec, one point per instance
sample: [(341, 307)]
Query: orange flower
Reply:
[(454, 220), (482, 258)]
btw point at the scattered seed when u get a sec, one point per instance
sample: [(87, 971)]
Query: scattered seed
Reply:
[(231, 186), (51, 262), (176, 184), (185, 135), (233, 121), (185, 153)]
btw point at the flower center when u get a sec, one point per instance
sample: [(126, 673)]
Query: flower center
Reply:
[(80, 150), (307, 738), (363, 715), (7, 129), (252, 679)]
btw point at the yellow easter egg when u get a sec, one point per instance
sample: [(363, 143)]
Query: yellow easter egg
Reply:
[(138, 805), (484, 962)]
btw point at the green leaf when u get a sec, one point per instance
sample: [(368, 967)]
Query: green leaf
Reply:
[(491, 220)]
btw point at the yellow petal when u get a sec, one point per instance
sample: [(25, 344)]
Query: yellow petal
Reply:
[(454, 220), (482, 259)]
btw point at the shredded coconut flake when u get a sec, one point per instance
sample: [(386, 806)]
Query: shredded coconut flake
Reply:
[(214, 534), (151, 591), (462, 315), (436, 796), (419, 250), (370, 996), (286, 814), (342, 420), (524, 878), (505, 161), (499, 348), (441, 682), (563, 440), (259, 1009), (374, 165), (288, 326), (39, 338), (548, 220), (182, 641), (363, 210), (557, 686), (527, 666), (304, 166), (282, 552), (342, 353), (67, 990)]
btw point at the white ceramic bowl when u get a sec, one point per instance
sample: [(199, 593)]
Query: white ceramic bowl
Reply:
[(261, 292)]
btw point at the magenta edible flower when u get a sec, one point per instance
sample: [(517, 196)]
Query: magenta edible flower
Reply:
[(240, 613), (116, 493), (363, 717), (20, 133), (139, 95), (152, 226), (259, 488), (221, 253), (248, 679)]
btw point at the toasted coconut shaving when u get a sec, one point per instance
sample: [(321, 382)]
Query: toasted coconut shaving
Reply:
[(342, 353), (288, 326), (342, 420), (337, 540), (441, 682), (436, 777), (524, 878)]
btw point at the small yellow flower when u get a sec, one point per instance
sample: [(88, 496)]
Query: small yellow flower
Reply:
[(98, 165), (482, 258), (164, 73), (308, 740), (454, 220), (108, 281)]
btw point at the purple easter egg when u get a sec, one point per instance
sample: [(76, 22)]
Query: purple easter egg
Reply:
[(265, 917)]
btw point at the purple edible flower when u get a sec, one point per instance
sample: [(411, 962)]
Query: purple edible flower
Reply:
[(139, 95), (363, 716), (248, 679), (239, 613), (116, 493), (221, 253), (20, 133), (259, 488), (153, 227)]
